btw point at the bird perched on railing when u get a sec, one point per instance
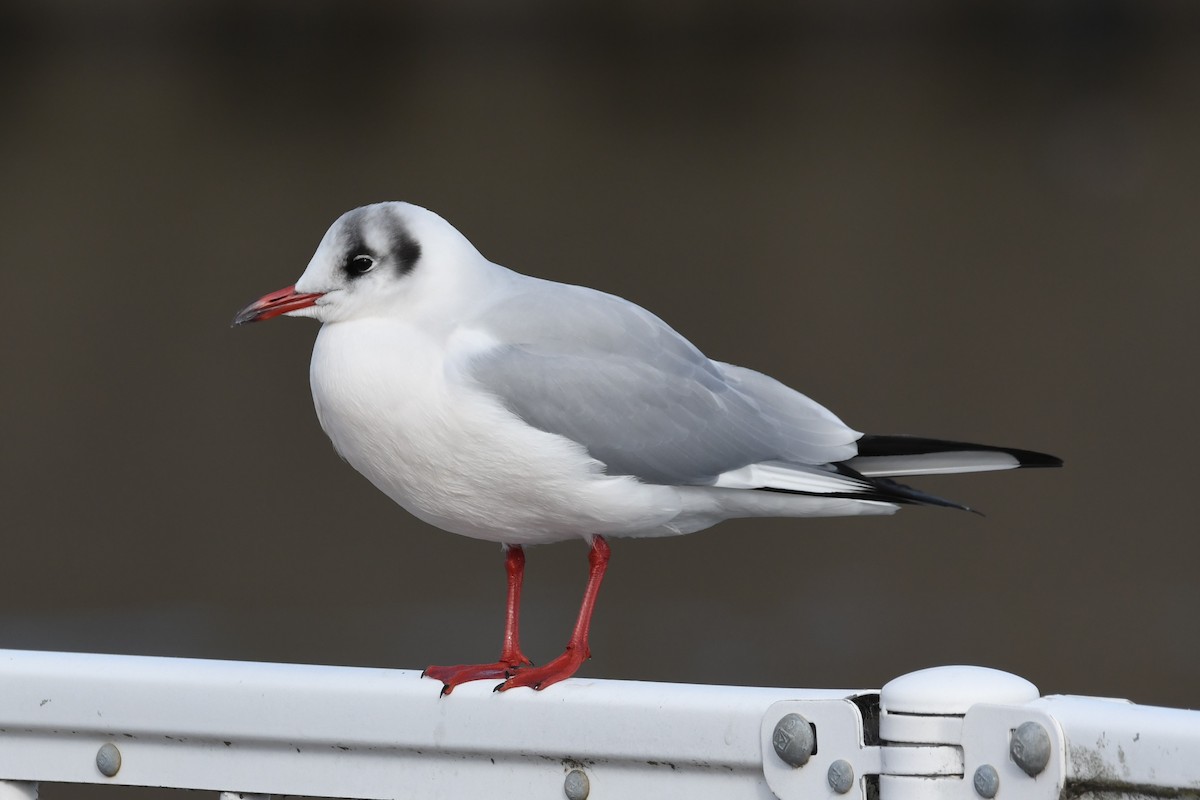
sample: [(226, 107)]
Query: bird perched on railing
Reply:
[(518, 410)]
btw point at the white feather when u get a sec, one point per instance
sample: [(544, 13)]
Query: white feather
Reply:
[(788, 477), (933, 463)]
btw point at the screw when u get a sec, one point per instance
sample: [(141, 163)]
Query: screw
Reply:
[(108, 759), (987, 781), (1030, 748), (794, 739), (577, 786), (841, 776)]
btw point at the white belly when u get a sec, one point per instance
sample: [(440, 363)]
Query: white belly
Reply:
[(397, 409)]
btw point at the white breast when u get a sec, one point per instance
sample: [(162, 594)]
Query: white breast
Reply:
[(397, 407)]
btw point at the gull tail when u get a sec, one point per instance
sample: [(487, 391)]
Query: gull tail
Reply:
[(883, 457), (868, 475)]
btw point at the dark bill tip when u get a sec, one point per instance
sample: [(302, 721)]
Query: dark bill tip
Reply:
[(275, 304)]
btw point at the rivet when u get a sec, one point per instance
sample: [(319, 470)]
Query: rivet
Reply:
[(1030, 748), (577, 786), (841, 776), (108, 759), (987, 781), (794, 740)]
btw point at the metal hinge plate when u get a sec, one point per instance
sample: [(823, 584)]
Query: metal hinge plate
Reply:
[(842, 765)]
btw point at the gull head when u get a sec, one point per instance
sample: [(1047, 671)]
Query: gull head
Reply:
[(371, 261)]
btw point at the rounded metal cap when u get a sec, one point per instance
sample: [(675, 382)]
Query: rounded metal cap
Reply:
[(951, 691)]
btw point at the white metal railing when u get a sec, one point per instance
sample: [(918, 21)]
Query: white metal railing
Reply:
[(257, 728)]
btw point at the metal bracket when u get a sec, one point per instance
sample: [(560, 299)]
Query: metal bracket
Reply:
[(839, 740), (1000, 751), (1025, 746)]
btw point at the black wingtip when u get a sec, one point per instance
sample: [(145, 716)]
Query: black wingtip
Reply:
[(1030, 458), (903, 493), (878, 489)]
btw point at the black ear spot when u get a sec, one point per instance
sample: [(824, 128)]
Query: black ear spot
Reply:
[(408, 252), (358, 265)]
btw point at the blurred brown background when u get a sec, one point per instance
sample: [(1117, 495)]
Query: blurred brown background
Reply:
[(968, 220)]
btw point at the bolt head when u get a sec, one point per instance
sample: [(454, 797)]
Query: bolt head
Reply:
[(577, 786), (841, 776), (794, 740), (108, 759), (1030, 748), (987, 781)]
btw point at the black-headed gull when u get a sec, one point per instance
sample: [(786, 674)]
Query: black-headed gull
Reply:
[(521, 411)]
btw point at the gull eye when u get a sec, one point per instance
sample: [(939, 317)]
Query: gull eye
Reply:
[(360, 265)]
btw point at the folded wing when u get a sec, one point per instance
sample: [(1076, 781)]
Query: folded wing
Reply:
[(639, 397), (645, 402)]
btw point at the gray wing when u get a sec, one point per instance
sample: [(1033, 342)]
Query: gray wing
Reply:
[(643, 400)]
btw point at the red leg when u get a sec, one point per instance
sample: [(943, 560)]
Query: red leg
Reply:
[(577, 650), (511, 657)]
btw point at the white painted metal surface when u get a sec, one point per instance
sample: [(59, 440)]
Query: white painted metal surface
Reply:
[(1114, 744), (251, 730), (964, 733), (371, 733)]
